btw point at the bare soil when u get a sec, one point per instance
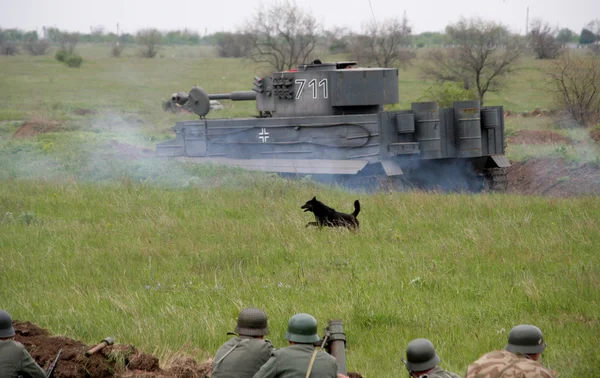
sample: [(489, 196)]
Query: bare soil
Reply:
[(539, 137), (84, 111), (31, 128), (554, 177), (118, 360)]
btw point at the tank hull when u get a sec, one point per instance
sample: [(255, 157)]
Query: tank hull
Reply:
[(464, 141)]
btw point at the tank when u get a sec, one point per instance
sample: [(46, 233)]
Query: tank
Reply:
[(329, 120)]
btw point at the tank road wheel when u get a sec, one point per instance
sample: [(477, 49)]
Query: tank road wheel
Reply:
[(496, 179)]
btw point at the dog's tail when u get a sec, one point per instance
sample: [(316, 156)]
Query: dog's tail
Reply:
[(356, 208)]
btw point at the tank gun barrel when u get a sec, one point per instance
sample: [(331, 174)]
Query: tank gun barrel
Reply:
[(234, 96)]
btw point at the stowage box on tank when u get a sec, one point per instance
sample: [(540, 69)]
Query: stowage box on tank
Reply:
[(329, 119)]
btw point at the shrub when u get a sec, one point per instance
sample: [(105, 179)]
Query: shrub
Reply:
[(448, 93), (61, 55), (74, 60), (8, 48), (117, 50)]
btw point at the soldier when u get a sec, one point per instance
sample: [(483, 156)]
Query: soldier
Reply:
[(15, 361), (518, 359), (242, 356), (422, 359), (300, 359)]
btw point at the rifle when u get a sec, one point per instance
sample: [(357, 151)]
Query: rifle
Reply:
[(52, 365)]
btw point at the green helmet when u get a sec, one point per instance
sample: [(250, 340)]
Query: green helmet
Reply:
[(6, 328), (526, 339), (252, 322), (421, 355), (302, 328)]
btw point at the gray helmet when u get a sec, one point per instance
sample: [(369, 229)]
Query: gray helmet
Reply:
[(302, 328), (252, 322), (6, 328), (526, 339), (421, 355)]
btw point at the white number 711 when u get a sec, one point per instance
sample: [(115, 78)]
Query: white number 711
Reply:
[(312, 84)]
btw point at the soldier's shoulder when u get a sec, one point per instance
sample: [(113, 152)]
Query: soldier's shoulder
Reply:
[(14, 344), (490, 364)]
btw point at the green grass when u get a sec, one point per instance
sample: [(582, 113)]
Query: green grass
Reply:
[(168, 269), (163, 255)]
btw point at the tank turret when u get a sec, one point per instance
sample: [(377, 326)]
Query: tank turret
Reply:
[(316, 89)]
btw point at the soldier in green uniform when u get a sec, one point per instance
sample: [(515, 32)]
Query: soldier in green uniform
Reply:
[(422, 359), (15, 361), (242, 356), (301, 356), (518, 359)]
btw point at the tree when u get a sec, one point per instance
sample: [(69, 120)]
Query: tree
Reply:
[(283, 36), (542, 40), (586, 37), (386, 44), (233, 45), (482, 56), (150, 38), (565, 35), (575, 81)]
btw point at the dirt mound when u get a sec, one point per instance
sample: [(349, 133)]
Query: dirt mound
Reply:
[(31, 128), (538, 137), (84, 111), (554, 177), (128, 150), (119, 360)]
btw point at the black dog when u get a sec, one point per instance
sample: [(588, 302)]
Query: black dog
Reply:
[(326, 216)]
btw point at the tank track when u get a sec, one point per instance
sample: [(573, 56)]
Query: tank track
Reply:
[(495, 179)]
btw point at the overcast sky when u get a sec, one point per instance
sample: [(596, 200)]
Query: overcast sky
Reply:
[(221, 15)]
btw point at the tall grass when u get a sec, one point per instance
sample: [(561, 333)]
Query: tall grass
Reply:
[(168, 269)]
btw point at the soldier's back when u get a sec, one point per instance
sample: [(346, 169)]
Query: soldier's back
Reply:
[(505, 364), (293, 362), (15, 361), (244, 360)]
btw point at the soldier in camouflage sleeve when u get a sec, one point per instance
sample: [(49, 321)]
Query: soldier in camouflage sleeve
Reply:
[(242, 356), (422, 359), (519, 359)]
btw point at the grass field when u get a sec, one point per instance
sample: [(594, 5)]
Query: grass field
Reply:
[(163, 255)]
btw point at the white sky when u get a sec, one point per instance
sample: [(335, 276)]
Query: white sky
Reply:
[(222, 15)]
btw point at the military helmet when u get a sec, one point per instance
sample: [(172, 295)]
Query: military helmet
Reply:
[(6, 328), (421, 355), (302, 328), (526, 339), (252, 322)]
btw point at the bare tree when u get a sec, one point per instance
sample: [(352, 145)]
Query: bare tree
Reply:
[(335, 40), (233, 45), (386, 44), (482, 55), (37, 46), (151, 39), (542, 40), (68, 41), (283, 36), (575, 80)]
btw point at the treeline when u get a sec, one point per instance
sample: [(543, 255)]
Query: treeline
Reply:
[(190, 37)]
